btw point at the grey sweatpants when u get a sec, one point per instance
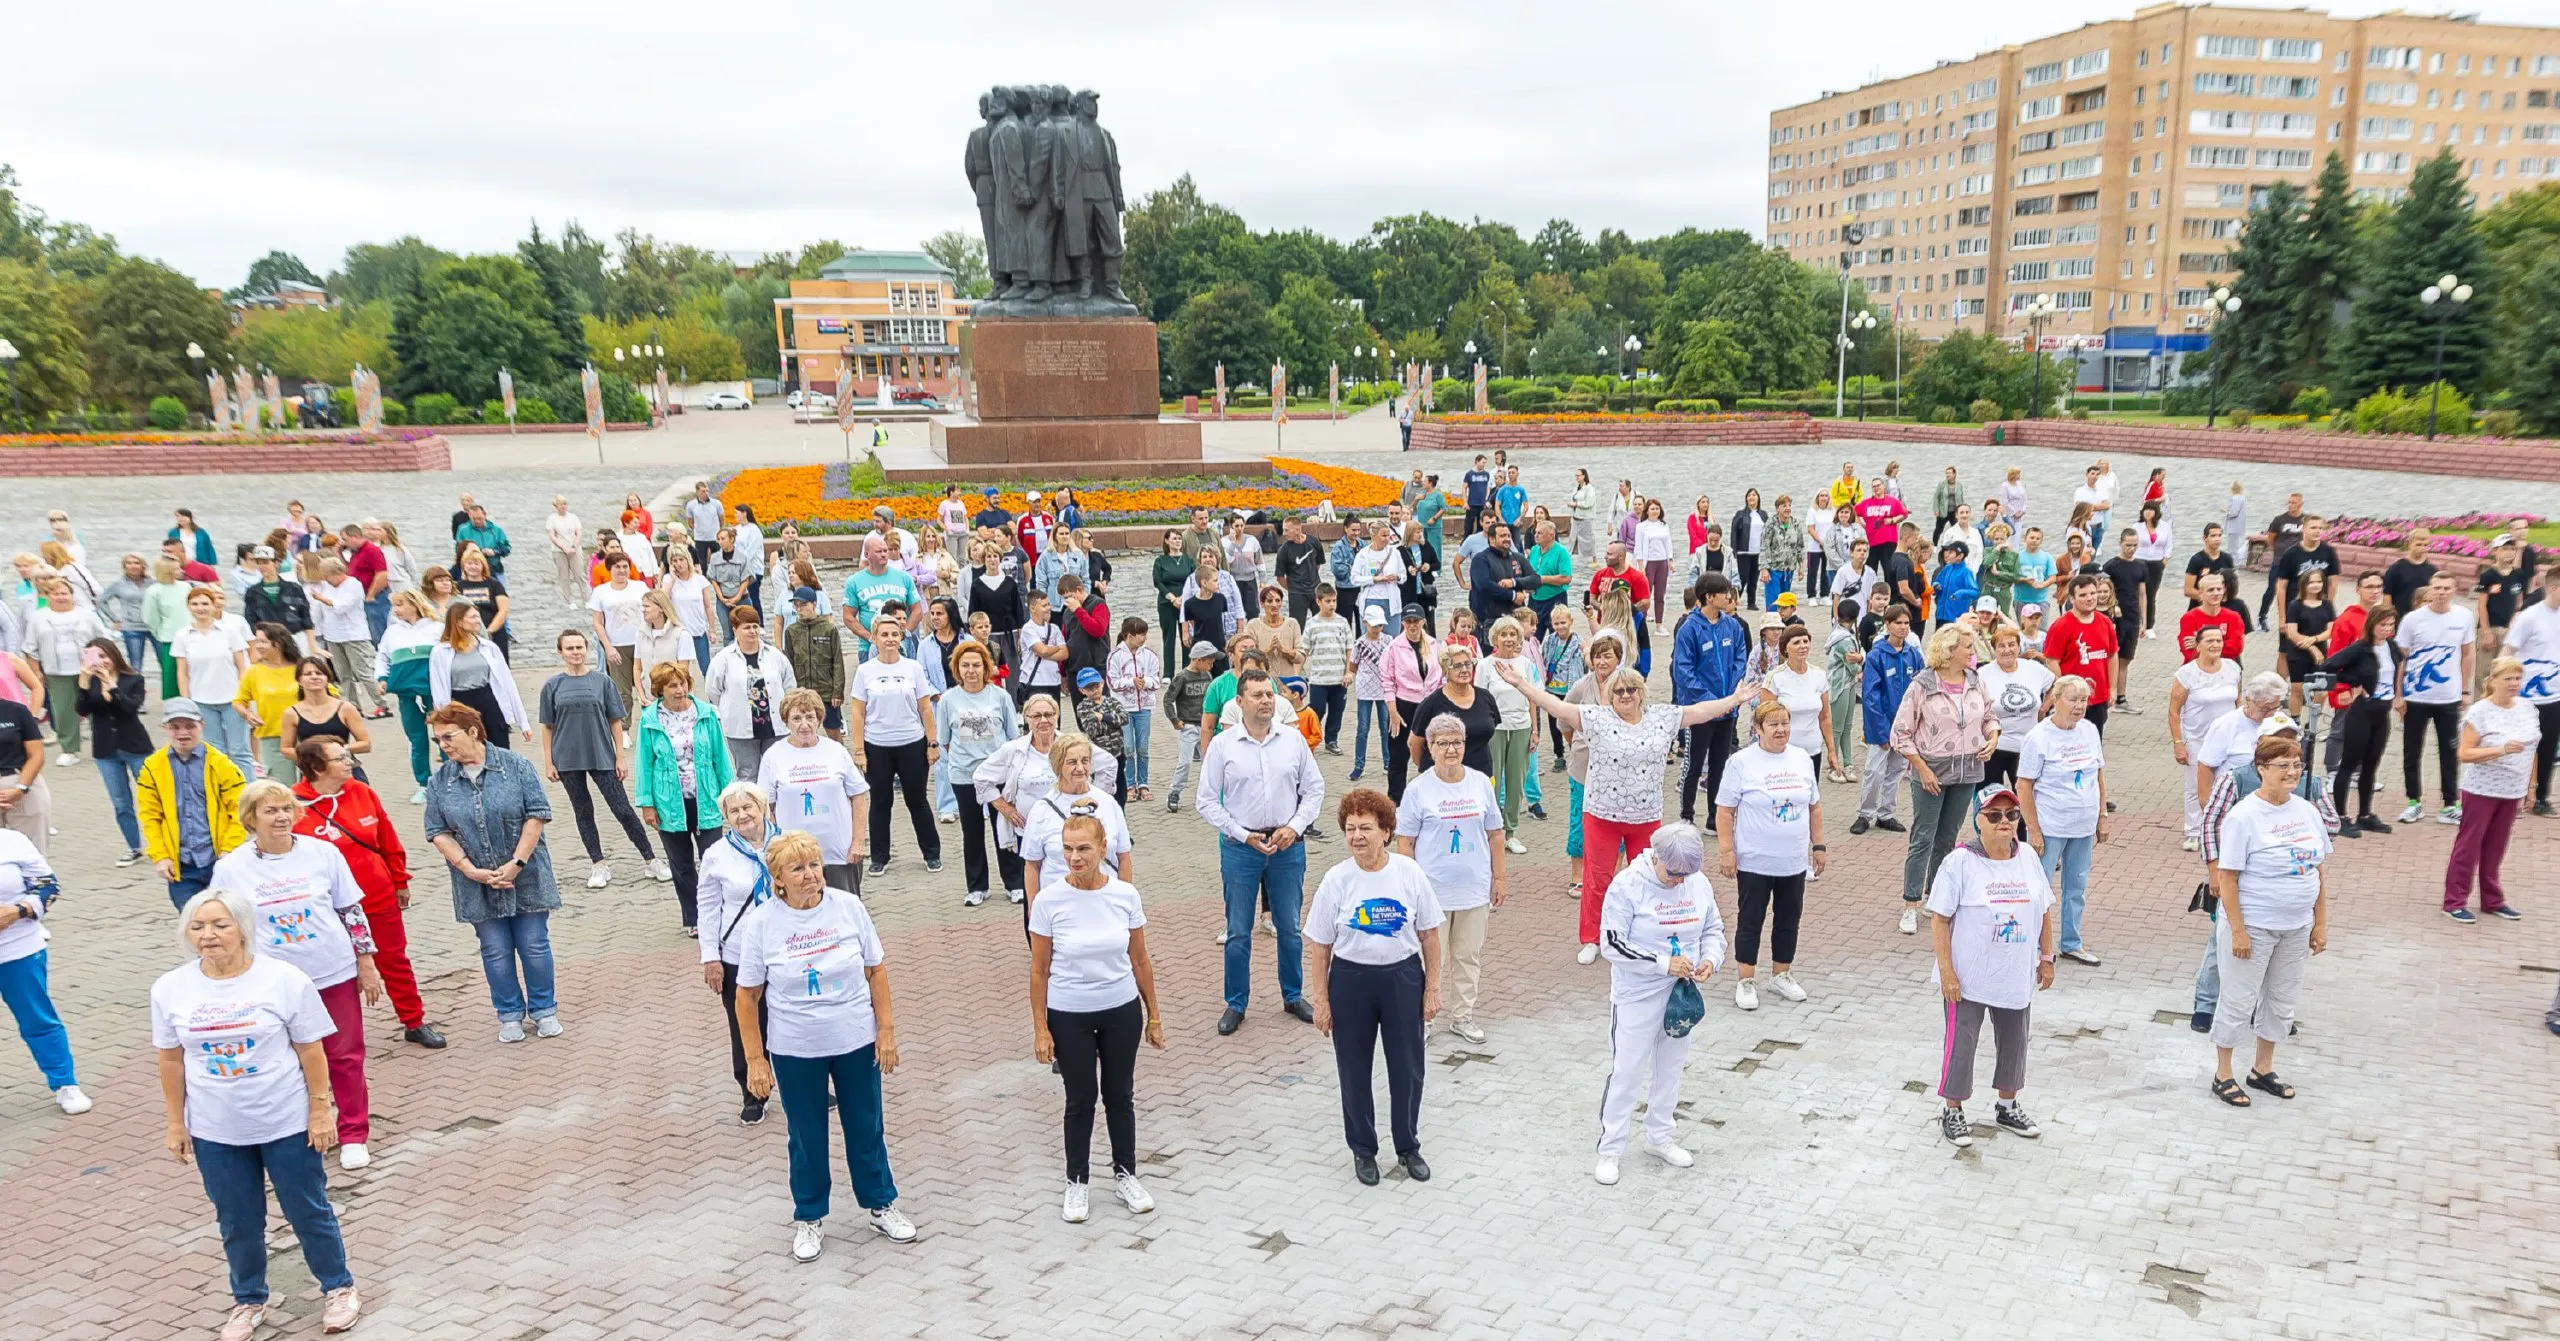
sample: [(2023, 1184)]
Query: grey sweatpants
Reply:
[(1937, 821), (353, 661), (1883, 778), (1964, 1038), (2259, 992)]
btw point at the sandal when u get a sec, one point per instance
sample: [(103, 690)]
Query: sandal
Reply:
[(2228, 1090), (2267, 1082)]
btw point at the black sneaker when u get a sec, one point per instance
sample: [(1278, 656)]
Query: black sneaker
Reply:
[(751, 1112), (424, 1036), (933, 863), (2462, 915), (2201, 1021), (2012, 1118), (2371, 825), (1537, 812), (1890, 825), (1859, 825), (1331, 748), (1953, 1126), (2543, 809), (2506, 913), (2349, 830), (878, 869)]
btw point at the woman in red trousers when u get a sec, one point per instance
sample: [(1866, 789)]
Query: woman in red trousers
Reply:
[(349, 815)]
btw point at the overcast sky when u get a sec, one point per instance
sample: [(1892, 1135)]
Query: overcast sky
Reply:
[(212, 134)]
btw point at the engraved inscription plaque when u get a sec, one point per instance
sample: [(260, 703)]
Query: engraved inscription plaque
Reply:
[(1082, 360)]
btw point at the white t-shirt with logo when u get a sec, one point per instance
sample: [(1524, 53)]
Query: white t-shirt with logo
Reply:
[(1044, 820), (2063, 768), (1773, 796), (2508, 775), (2210, 698), (234, 1038), (297, 896), (810, 963), (1997, 908), (621, 611), (811, 789), (2277, 850), (2232, 739), (1802, 697), (1088, 931), (1374, 917), (2431, 646), (2534, 639), (2015, 696), (892, 699), (1452, 825)]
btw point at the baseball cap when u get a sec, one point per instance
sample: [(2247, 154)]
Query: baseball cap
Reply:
[(177, 709), (1032, 496), (1203, 648), (263, 552), (2031, 609), (1088, 677), (1374, 616), (1986, 606), (1296, 682), (2278, 721), (807, 595), (988, 492), (1993, 797), (1787, 599), (1413, 614)]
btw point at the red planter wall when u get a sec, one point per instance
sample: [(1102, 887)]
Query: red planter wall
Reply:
[(276, 458)]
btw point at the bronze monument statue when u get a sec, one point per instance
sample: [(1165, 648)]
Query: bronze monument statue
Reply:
[(1047, 180)]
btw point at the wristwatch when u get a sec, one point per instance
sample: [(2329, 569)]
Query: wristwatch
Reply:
[(2044, 959)]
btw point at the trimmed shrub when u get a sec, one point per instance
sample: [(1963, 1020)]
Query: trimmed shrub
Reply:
[(2079, 411), (1530, 398), (2311, 402), (394, 414), (435, 407), (1687, 407), (2241, 417), (1580, 404), (1448, 393), (168, 413), (535, 410), (2501, 423), (1984, 411), (1944, 414)]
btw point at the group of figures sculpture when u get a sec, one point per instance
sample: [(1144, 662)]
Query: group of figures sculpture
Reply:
[(1047, 178)]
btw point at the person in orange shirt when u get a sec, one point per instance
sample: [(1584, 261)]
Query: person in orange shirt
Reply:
[(1309, 725)]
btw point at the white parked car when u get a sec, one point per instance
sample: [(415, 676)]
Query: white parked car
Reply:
[(724, 400)]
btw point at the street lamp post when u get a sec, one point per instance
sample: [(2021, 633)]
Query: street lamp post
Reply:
[(1861, 323), (2225, 306), (1633, 346), (9, 365), (2038, 313), (2443, 300)]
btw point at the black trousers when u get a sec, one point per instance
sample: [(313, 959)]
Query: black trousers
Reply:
[(737, 1041), (2448, 722), (1327, 700), (1098, 1057), (1301, 605), (2001, 769), (2097, 718), (2152, 569), (684, 847), (975, 820), (2545, 750), (1400, 749), (2367, 730), (702, 552), (1750, 570), (903, 766), (1376, 1005), (1756, 894), (1710, 744), (584, 808)]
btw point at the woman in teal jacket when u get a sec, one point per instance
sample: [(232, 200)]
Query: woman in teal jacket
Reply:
[(684, 764)]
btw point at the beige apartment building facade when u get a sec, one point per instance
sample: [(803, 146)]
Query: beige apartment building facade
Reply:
[(2110, 167)]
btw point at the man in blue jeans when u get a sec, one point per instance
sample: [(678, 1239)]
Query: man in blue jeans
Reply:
[(1260, 790), (188, 800)]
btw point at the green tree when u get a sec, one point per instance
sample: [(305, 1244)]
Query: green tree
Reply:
[(1769, 299), (1689, 249), (809, 260), (1964, 367), (1424, 264), (270, 271), (49, 376), (1561, 249), (565, 303), (464, 322), (1316, 327), (2252, 351), (21, 226), (698, 348), (2534, 368), (1179, 247), (1712, 361), (376, 270), (965, 256), (2520, 232), (310, 344), (2318, 273), (746, 312), (1627, 291), (1495, 316), (1573, 345), (1229, 325), (2391, 340), (141, 317)]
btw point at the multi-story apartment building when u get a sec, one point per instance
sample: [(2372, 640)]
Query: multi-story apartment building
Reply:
[(2111, 167)]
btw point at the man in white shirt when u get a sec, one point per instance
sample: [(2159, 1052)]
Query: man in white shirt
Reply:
[(1260, 790), (2438, 642), (337, 618), (704, 515), (566, 535), (2534, 639)]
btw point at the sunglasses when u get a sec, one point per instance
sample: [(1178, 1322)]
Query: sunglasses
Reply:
[(2002, 816)]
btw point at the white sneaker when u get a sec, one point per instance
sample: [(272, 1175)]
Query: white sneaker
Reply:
[(950, 819), (418, 797), (2413, 814), (1673, 1155), (1589, 954), (2190, 843), (660, 871), (547, 1027), (976, 897), (1605, 1173), (1745, 995), (67, 760), (353, 1155), (893, 1222), (2150, 633), (1783, 983), (70, 1100), (1014, 894), (511, 1031), (1515, 847), (2449, 815), (1468, 1030), (1911, 919), (808, 1239), (1133, 1194), (1078, 1204), (599, 876)]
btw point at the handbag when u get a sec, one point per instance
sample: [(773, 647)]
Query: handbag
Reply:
[(1683, 1011), (2204, 900)]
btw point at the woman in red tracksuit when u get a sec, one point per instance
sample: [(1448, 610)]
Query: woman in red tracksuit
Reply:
[(349, 816)]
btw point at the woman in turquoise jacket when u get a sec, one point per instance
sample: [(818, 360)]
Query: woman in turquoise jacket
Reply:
[(684, 765)]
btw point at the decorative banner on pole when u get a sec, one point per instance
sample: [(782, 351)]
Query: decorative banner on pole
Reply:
[(1480, 400), (662, 393), (368, 394), (594, 391), (1333, 389), (1222, 391), (507, 396), (275, 399), (247, 395), (1279, 393), (1430, 397), (844, 394), (217, 415)]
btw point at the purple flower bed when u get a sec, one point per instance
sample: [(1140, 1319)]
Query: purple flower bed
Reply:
[(2388, 532)]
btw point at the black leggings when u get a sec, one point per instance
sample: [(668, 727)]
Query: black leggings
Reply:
[(2367, 730), (2545, 751), (1100, 1045), (681, 855), (2001, 768), (737, 1042), (584, 807), (1400, 748), (974, 820), (2448, 721), (1710, 744), (1750, 568), (2151, 571), (1756, 893), (905, 766)]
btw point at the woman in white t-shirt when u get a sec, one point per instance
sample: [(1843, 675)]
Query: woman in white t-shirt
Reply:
[(1073, 793), (2275, 916), (888, 705), (1515, 738), (810, 783), (1451, 826), (1622, 787), (241, 1062), (1992, 918), (689, 592), (1768, 839), (2016, 687), (2203, 692), (1805, 692), (732, 881), (27, 891), (1652, 551), (2498, 737), (812, 1011), (211, 655), (1018, 774), (1373, 940), (309, 912), (1094, 995), (1661, 924), (2063, 763)]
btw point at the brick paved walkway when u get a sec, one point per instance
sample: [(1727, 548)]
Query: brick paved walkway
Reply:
[(599, 1186)]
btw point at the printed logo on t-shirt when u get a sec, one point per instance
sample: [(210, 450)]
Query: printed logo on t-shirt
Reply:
[(231, 1053), (2541, 679), (2430, 666), (1379, 917)]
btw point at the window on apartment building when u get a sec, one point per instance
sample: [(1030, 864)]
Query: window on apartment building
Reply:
[(2209, 229), (2087, 100), (2138, 92), (2216, 156), (1972, 246), (2391, 58), (2077, 202), (2039, 109), (2374, 160), (2432, 99), (2031, 205), (2150, 234), (2427, 133), (2296, 49), (2075, 300), (2216, 83), (2286, 125), (2218, 123), (2204, 262), (2227, 48), (1973, 153), (2035, 174), (2075, 267), (2384, 128), (2543, 65), (2075, 234), (1974, 217), (2141, 57), (2045, 73), (2128, 235), (2028, 272), (2300, 87), (2036, 142), (2283, 160), (2075, 168), (1981, 89), (2537, 98), (2382, 93), (2193, 298), (2024, 239), (2149, 267)]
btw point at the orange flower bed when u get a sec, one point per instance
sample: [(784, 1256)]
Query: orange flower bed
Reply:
[(798, 493)]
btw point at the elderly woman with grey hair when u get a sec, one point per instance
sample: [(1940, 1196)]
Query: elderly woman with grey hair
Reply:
[(1659, 925)]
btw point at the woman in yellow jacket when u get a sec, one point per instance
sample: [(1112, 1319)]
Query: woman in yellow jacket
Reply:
[(184, 853)]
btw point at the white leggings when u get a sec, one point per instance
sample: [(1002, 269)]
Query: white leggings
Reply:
[(1644, 1063)]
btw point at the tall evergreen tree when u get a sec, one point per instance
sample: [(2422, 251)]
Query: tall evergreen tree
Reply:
[(2391, 340), (2534, 358), (2252, 349), (565, 309), (2319, 272)]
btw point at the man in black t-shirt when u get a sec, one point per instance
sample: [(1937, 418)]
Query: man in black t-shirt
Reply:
[(2500, 586), (2312, 554), (2284, 531), (2211, 559), (2129, 576), (2407, 577), (1302, 568)]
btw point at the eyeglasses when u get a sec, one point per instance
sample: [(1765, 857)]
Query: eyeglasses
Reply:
[(2001, 816), (1629, 691)]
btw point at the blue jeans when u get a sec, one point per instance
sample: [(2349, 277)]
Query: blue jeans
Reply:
[(226, 730), (118, 771), (1252, 877), (506, 943), (1776, 584), (22, 985), (191, 881), (236, 1178), (804, 1083), (2071, 856), (377, 613), (1135, 738), (2209, 973), (945, 805), (137, 648), (702, 652), (1368, 708)]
